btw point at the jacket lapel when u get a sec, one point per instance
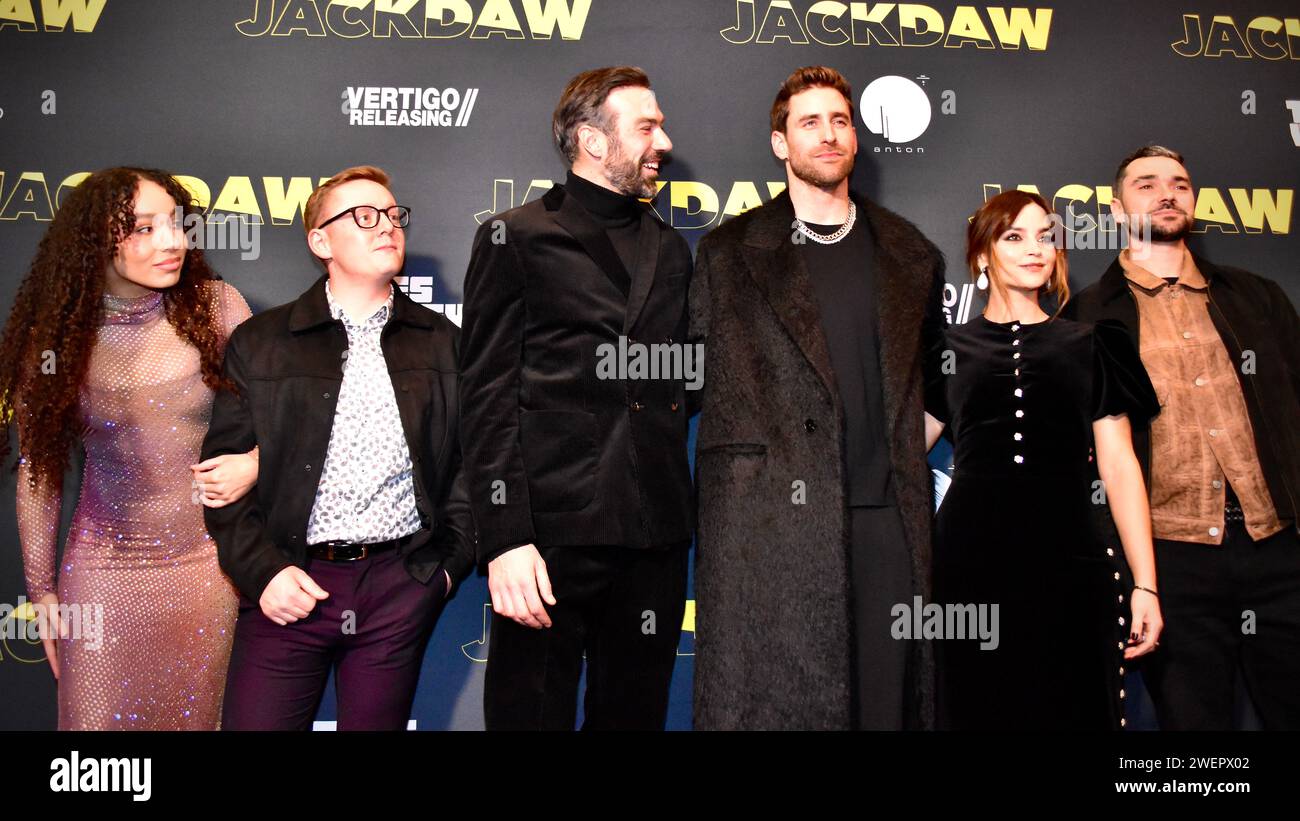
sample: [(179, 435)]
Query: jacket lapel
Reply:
[(902, 292), (647, 262), (571, 216), (781, 276), (311, 308), (1116, 301)]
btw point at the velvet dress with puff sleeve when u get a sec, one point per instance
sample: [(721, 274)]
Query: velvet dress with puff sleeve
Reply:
[(1014, 528)]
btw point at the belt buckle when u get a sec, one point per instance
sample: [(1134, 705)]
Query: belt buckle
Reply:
[(331, 555)]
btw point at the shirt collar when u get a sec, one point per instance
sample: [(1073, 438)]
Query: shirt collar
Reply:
[(379, 317), (1189, 276)]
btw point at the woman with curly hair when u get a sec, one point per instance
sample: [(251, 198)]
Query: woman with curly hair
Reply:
[(115, 343)]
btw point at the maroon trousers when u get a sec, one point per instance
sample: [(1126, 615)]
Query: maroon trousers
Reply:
[(373, 630)]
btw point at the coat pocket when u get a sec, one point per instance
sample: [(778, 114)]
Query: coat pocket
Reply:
[(735, 469), (559, 450)]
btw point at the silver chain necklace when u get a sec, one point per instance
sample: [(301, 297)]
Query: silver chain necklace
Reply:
[(829, 239)]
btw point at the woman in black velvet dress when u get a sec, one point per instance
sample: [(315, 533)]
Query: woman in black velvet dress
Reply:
[(1024, 395)]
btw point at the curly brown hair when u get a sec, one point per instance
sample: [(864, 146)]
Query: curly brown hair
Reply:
[(60, 305)]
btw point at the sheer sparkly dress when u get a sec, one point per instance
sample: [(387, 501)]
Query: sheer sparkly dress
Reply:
[(156, 613)]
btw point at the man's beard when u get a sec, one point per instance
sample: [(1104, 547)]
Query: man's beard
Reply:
[(624, 173), (1160, 233), (818, 175)]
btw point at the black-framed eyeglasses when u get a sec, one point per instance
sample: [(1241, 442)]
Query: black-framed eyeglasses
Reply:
[(367, 216)]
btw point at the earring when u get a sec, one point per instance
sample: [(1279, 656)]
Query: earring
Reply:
[(983, 282)]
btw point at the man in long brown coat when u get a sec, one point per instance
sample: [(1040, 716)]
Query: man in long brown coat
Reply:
[(814, 493)]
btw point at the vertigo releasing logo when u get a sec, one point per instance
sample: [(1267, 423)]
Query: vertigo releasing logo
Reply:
[(389, 105)]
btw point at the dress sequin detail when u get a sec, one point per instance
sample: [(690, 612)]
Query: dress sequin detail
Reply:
[(157, 614)]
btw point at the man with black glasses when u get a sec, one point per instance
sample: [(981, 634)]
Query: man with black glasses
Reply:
[(359, 527)]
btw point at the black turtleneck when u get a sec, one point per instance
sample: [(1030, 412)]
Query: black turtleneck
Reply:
[(619, 214)]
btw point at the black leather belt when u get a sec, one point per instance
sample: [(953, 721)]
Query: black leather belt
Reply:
[(1232, 511), (353, 551)]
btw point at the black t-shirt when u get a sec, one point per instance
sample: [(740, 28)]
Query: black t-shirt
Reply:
[(843, 282)]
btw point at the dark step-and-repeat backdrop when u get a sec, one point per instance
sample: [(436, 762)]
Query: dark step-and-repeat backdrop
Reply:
[(252, 102)]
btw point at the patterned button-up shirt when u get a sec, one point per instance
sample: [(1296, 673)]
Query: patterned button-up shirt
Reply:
[(366, 491)]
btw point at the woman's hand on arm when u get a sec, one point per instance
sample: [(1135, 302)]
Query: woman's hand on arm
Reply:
[(226, 478)]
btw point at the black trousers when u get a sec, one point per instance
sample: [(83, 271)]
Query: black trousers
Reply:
[(881, 575), (1227, 606), (623, 608)]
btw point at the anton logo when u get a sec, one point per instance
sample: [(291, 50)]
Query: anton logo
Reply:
[(895, 108), (899, 110), (77, 774), (56, 15), (405, 106)]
